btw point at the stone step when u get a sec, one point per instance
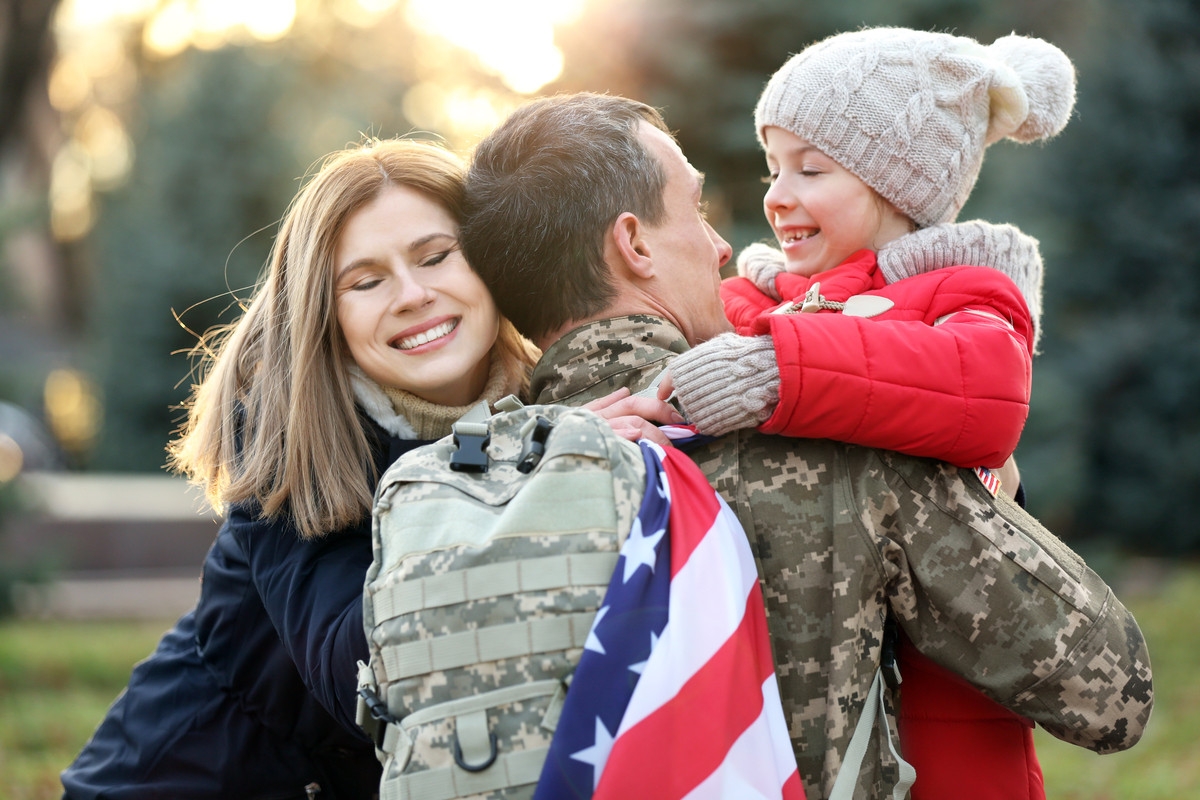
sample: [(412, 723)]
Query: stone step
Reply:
[(144, 594)]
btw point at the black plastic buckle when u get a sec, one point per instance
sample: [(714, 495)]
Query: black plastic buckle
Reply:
[(471, 455), (380, 716), (887, 655), (535, 446)]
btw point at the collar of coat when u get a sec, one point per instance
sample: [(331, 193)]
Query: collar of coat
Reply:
[(617, 352)]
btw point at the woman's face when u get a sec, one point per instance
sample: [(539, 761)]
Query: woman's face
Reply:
[(820, 212), (413, 313)]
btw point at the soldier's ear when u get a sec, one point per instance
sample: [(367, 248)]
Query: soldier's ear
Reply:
[(631, 247)]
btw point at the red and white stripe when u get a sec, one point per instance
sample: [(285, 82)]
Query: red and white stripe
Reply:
[(705, 719)]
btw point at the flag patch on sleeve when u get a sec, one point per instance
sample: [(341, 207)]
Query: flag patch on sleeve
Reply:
[(988, 479)]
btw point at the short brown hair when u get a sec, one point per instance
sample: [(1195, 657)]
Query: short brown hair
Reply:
[(542, 189)]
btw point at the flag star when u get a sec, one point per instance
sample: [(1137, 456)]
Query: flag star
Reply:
[(660, 484), (640, 549), (597, 754), (593, 641), (640, 667)]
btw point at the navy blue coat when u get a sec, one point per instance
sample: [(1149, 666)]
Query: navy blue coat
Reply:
[(252, 693)]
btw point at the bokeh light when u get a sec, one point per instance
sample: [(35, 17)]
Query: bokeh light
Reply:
[(71, 194), (11, 458), (515, 39), (72, 405)]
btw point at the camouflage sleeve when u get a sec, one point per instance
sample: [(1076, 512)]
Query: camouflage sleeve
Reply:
[(986, 591)]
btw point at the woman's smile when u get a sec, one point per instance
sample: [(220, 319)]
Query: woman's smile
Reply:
[(434, 335)]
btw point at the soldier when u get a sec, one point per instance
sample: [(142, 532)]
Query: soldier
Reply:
[(585, 219)]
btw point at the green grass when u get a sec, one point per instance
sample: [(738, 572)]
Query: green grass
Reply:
[(57, 679), (1165, 764)]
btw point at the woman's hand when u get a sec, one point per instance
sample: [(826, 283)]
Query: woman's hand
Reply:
[(633, 418)]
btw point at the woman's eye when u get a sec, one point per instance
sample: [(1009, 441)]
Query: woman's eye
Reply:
[(435, 259), (364, 285), (770, 178)]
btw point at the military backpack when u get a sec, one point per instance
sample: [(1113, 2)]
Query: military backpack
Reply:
[(493, 549)]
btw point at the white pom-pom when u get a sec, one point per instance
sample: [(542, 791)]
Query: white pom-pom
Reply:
[(1047, 79)]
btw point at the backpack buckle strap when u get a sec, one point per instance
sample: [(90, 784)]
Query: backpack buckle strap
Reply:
[(887, 654), (371, 712), (535, 446), (472, 436)]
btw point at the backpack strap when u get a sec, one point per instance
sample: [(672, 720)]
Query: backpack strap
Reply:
[(856, 752), (489, 580), (512, 640), (471, 435)]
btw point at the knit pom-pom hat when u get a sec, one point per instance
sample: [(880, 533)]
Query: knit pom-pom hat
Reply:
[(910, 113)]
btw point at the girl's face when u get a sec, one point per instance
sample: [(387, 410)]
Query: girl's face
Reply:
[(820, 212), (414, 315)]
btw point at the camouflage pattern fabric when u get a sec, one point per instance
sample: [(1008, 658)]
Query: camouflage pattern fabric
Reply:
[(844, 534), (480, 596)]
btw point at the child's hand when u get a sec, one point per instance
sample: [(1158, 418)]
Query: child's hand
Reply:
[(761, 264), (633, 418)]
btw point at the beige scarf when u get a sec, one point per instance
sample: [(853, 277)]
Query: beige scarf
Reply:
[(407, 416)]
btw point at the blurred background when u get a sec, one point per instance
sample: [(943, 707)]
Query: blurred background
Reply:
[(149, 147)]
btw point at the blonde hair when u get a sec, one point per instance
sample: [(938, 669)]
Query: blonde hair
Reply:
[(273, 419)]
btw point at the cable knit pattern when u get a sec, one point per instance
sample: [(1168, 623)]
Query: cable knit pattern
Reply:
[(761, 264), (975, 243), (727, 383), (407, 416), (911, 112)]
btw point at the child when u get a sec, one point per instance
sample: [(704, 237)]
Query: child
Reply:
[(874, 140)]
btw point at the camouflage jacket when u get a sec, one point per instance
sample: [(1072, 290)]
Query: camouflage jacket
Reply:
[(845, 534)]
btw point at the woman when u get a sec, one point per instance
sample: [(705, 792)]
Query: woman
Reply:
[(369, 336)]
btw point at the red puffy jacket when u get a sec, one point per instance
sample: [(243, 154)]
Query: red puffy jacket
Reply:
[(944, 372)]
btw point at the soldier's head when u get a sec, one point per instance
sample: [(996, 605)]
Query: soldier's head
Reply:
[(581, 207)]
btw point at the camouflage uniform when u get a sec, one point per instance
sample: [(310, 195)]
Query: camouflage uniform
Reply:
[(843, 534)]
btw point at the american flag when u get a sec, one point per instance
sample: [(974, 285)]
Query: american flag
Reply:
[(675, 693), (991, 481)]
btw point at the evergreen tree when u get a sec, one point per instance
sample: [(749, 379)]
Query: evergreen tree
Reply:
[(194, 222)]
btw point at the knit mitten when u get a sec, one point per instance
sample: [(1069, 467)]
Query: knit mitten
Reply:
[(761, 264), (727, 383), (975, 243)]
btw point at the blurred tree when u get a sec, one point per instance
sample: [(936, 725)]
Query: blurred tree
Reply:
[(186, 234), (1123, 288), (41, 276), (25, 51)]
